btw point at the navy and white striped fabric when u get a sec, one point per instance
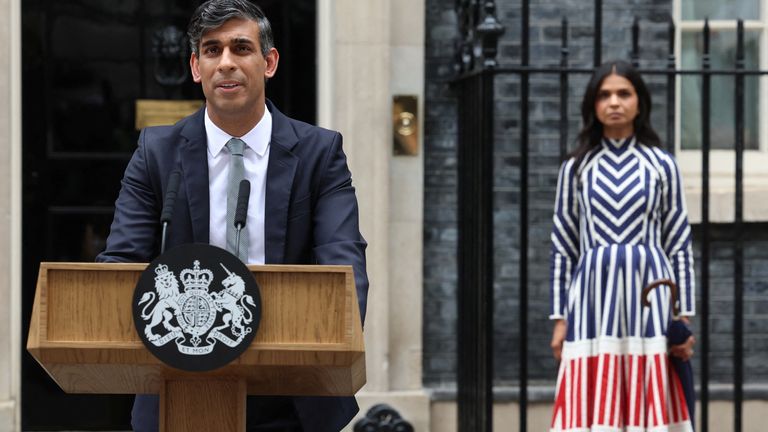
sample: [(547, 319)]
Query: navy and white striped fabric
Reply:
[(619, 223)]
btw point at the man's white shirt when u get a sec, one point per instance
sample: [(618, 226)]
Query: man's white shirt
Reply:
[(256, 159)]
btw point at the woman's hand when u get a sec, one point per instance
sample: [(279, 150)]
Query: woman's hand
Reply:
[(684, 351), (558, 336)]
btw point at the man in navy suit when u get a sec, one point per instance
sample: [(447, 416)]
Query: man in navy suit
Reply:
[(302, 210)]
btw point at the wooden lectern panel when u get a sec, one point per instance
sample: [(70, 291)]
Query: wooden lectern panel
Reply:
[(81, 303), (309, 341), (197, 405), (293, 314)]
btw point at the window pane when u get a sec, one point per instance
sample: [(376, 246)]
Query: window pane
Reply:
[(719, 9), (722, 91)]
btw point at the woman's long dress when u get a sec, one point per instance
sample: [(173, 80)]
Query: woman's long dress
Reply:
[(620, 223)]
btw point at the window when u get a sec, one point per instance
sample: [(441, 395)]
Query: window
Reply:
[(723, 14)]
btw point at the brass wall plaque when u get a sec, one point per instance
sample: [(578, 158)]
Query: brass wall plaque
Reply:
[(405, 125), (154, 112)]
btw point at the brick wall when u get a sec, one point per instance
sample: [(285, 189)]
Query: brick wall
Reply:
[(721, 302), (440, 231)]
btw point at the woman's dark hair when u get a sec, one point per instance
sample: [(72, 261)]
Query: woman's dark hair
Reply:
[(592, 130), (214, 13)]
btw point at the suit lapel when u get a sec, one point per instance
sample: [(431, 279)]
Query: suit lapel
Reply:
[(194, 165), (280, 174)]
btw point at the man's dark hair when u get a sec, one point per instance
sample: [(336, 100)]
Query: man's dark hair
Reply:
[(591, 133), (214, 13)]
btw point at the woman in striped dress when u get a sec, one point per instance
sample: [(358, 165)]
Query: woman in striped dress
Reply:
[(619, 224)]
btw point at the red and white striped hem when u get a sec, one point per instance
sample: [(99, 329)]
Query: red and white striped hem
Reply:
[(619, 392)]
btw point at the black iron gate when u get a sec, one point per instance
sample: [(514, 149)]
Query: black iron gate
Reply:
[(476, 70)]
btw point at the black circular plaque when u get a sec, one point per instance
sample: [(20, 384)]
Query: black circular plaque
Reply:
[(196, 307)]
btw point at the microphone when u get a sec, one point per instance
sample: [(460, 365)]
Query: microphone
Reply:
[(170, 199), (241, 211)]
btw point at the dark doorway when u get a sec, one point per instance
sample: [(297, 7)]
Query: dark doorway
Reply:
[(85, 63)]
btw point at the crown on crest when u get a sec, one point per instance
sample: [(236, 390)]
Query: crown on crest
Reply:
[(162, 273), (196, 278)]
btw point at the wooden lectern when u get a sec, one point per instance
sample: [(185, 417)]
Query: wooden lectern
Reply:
[(309, 342)]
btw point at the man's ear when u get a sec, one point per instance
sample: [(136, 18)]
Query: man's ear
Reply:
[(272, 59), (194, 66)]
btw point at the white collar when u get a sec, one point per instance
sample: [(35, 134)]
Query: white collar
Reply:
[(257, 138)]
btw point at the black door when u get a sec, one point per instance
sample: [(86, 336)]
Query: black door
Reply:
[(85, 64)]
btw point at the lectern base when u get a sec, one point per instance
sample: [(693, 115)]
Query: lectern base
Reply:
[(190, 405)]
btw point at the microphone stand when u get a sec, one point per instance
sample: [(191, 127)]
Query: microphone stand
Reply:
[(162, 241), (170, 200), (241, 211)]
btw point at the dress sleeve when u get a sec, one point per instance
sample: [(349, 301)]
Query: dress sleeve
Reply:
[(676, 237), (565, 238)]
